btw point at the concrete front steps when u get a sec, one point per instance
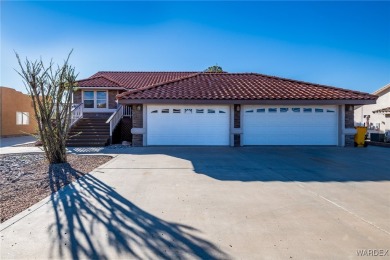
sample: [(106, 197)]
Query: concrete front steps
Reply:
[(89, 132)]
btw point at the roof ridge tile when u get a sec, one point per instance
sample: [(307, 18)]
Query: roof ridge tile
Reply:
[(156, 71), (309, 83), (100, 76), (110, 79), (133, 91)]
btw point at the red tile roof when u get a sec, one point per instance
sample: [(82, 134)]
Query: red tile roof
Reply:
[(99, 81), (241, 86), (132, 80)]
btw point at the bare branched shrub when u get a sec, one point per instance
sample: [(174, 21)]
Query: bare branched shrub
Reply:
[(50, 88)]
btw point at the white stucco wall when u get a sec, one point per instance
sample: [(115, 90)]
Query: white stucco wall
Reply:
[(378, 120)]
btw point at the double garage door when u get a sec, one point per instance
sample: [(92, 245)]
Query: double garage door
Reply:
[(290, 125), (262, 125), (187, 125)]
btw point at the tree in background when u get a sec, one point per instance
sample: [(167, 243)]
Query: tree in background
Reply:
[(50, 88), (215, 68)]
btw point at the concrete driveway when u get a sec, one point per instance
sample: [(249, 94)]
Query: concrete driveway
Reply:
[(19, 140), (191, 202)]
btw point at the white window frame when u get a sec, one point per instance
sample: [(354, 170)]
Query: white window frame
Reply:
[(22, 118), (95, 99)]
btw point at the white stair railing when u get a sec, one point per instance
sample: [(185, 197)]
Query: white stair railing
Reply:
[(114, 119), (127, 111), (76, 114)]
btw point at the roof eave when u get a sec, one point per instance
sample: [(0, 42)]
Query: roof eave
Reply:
[(250, 102), (108, 88), (382, 89), (383, 110)]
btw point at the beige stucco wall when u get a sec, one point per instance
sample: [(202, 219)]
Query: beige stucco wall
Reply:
[(13, 101), (377, 119)]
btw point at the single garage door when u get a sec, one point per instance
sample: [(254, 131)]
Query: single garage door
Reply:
[(187, 125), (290, 125)]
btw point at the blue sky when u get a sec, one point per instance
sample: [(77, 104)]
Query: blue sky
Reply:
[(344, 44)]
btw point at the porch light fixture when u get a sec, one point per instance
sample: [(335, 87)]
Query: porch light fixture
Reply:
[(238, 108), (139, 107)]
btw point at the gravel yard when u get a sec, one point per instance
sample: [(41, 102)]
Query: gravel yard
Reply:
[(26, 179)]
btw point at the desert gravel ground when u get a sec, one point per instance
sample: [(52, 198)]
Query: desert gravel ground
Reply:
[(25, 179)]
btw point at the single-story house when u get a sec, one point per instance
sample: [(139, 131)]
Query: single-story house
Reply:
[(375, 116), (236, 109), (17, 116)]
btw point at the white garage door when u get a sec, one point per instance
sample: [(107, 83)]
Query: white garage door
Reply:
[(187, 125), (290, 125)]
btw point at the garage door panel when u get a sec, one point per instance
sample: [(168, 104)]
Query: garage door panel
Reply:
[(316, 126), (194, 125)]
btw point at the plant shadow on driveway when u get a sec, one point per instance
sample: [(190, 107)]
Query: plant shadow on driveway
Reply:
[(279, 163), (93, 221)]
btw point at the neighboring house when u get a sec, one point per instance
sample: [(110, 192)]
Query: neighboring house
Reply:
[(375, 116), (17, 113), (236, 109)]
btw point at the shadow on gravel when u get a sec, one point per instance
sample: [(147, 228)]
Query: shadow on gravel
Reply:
[(93, 221)]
